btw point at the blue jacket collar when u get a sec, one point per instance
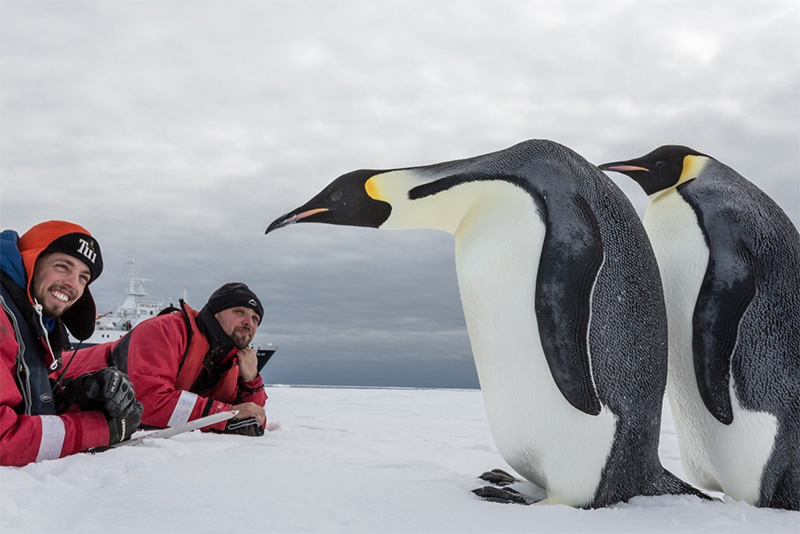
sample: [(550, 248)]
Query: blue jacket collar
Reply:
[(12, 266)]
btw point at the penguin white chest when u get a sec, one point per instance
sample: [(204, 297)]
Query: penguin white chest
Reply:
[(718, 457), (537, 431), (682, 256)]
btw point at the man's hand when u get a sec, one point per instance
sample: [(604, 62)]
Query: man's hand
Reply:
[(249, 421), (248, 364), (112, 387), (245, 427), (122, 428), (250, 409), (108, 390)]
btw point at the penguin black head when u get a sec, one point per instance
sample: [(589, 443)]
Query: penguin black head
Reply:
[(661, 169), (346, 201), (440, 196), (414, 197)]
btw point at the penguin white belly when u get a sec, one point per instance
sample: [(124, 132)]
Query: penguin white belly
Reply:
[(539, 434), (728, 458)]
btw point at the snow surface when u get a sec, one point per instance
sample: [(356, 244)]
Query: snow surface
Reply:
[(341, 460)]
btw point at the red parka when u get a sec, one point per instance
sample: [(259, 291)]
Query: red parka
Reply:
[(31, 428), (178, 374), (26, 438)]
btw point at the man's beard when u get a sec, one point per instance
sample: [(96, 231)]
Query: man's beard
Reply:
[(59, 309), (48, 311), (241, 338)]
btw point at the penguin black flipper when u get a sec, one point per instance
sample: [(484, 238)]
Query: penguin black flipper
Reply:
[(727, 289), (564, 283)]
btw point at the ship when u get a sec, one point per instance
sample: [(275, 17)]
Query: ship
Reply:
[(135, 309)]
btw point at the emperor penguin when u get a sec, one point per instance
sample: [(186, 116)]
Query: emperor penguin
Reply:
[(729, 259), (563, 306)]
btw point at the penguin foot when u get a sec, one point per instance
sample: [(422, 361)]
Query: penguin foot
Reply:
[(498, 477), (502, 495)]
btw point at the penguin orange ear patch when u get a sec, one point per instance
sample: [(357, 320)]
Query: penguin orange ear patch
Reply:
[(692, 167), (372, 189)]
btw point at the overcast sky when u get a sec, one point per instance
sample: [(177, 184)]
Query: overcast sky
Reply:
[(177, 131)]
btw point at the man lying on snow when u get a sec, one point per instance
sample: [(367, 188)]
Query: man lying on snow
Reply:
[(44, 287), (187, 364)]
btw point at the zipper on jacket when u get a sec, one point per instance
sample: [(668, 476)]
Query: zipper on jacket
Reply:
[(45, 333), (22, 368)]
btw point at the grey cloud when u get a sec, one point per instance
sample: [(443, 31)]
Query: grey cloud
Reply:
[(180, 130)]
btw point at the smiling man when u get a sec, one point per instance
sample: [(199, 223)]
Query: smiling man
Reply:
[(45, 277), (188, 364)]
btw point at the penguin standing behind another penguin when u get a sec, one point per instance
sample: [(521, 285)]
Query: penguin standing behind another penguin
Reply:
[(729, 259), (563, 304)]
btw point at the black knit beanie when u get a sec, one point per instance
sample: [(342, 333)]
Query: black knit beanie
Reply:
[(80, 246), (234, 294)]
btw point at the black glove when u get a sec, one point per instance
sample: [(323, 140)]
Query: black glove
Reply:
[(246, 427), (122, 428), (109, 390)]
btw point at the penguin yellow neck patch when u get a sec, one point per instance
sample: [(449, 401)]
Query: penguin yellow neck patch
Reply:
[(692, 167), (372, 189)]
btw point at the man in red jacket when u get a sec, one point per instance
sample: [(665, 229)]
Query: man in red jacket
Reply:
[(188, 364), (44, 279)]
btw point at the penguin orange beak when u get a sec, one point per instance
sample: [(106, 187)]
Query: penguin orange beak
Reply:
[(619, 167), (291, 218)]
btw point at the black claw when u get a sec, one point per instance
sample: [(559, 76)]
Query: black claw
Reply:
[(502, 495), (498, 477)]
